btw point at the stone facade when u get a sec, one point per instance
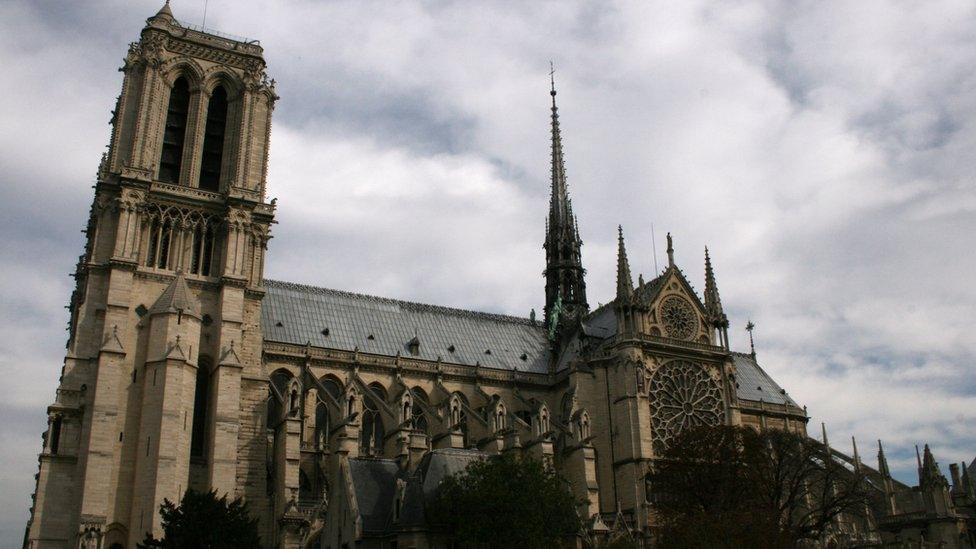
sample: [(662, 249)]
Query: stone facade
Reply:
[(334, 414)]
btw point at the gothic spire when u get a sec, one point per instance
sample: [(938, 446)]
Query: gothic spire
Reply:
[(882, 462), (625, 284), (857, 458), (565, 284), (713, 303), (823, 427), (560, 206)]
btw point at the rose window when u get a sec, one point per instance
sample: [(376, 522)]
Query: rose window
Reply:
[(678, 317), (682, 395)]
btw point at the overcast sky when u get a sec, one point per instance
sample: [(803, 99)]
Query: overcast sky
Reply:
[(823, 151)]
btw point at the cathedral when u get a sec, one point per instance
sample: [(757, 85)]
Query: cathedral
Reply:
[(334, 415)]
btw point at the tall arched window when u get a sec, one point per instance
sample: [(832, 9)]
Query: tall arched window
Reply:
[(371, 430), (213, 140), (200, 404), (171, 158), (459, 417), (160, 233)]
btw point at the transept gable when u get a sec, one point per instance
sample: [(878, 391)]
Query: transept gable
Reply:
[(673, 307)]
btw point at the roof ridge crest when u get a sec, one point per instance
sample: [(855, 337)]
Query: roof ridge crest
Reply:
[(409, 304)]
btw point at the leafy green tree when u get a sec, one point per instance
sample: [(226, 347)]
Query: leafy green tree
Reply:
[(202, 521), (506, 501), (735, 487)]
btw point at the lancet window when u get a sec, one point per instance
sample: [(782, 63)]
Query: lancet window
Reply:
[(213, 140)]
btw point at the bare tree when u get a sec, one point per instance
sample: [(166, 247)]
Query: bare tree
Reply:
[(736, 487)]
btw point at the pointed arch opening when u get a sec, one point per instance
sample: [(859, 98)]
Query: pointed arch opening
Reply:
[(174, 134), (371, 432), (418, 419), (213, 140)]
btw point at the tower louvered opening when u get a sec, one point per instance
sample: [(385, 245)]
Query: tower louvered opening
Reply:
[(171, 158)]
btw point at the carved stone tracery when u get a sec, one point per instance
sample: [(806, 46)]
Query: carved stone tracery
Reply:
[(682, 395)]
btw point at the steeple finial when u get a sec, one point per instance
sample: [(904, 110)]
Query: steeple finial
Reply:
[(552, 80), (857, 458), (882, 461), (165, 12), (625, 284), (670, 251), (823, 427)]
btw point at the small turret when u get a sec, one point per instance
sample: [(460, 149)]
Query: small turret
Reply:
[(165, 13)]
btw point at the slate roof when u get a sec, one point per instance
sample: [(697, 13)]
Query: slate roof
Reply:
[(753, 383), (296, 314), (374, 482), (176, 297)]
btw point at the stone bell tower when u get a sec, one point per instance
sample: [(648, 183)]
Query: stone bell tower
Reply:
[(162, 387)]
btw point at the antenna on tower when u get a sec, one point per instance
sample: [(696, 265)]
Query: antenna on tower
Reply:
[(654, 249)]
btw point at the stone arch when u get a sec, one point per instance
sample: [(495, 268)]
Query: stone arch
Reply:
[(184, 66), (221, 76)]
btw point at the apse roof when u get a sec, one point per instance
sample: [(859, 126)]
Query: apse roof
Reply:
[(753, 383), (296, 314)]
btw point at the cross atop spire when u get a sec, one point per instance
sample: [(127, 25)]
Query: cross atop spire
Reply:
[(552, 81)]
